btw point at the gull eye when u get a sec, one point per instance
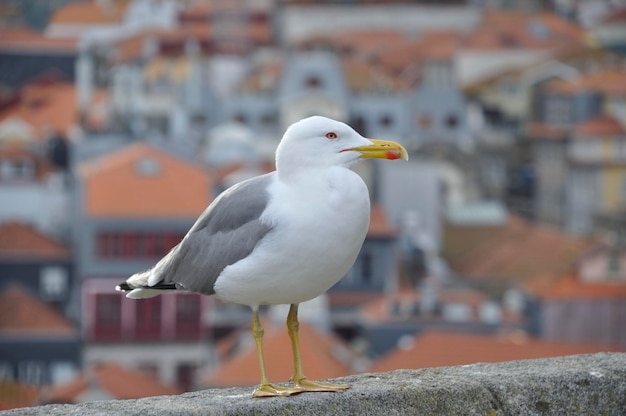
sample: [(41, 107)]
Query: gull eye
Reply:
[(331, 135)]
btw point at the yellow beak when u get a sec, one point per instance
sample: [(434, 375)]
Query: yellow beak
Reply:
[(382, 149)]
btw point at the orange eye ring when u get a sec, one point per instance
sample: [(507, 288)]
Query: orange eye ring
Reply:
[(331, 135)]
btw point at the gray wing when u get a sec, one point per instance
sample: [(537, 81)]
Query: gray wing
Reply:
[(226, 232)]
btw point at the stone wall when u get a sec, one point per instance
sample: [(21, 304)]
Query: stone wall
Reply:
[(574, 385)]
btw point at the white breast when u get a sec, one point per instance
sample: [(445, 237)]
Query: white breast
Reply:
[(318, 229)]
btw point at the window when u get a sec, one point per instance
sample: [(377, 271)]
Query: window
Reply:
[(313, 82), (53, 282), (558, 110), (16, 169), (188, 316), (452, 121), (148, 166), (6, 371), (148, 318), (386, 121), (268, 120), (62, 371), (136, 244), (366, 264), (185, 376), (108, 319), (240, 118), (620, 150), (457, 312), (31, 372)]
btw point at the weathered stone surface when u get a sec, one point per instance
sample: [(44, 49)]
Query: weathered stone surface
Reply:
[(575, 385)]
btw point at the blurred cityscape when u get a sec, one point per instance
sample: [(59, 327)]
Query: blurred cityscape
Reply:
[(121, 120)]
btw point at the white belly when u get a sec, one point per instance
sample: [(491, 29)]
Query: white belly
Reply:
[(314, 243)]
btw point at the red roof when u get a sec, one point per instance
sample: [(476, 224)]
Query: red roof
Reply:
[(141, 181), (380, 227), (600, 126), (513, 29), (48, 106), (438, 349), (596, 127), (90, 12), (320, 358), (518, 252), (118, 382), (607, 81), (571, 287), (14, 395), (22, 39), (18, 240), (22, 313)]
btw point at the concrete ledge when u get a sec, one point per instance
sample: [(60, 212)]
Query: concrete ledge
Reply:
[(574, 385)]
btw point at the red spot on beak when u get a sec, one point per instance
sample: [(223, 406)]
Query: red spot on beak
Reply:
[(393, 155)]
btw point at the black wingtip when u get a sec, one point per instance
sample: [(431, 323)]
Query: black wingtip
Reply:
[(123, 287)]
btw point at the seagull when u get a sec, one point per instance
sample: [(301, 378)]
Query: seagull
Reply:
[(280, 238)]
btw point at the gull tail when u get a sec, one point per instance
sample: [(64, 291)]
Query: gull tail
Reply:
[(137, 287)]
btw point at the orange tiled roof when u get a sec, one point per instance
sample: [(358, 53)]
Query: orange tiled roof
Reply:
[(600, 126), (437, 349), (48, 106), (572, 55), (18, 240), (596, 127), (388, 55), (537, 130), (14, 395), (510, 29), (318, 358), (608, 81), (22, 38), (379, 224), (90, 12), (518, 252), (114, 187), (22, 313), (571, 287), (364, 41), (119, 382)]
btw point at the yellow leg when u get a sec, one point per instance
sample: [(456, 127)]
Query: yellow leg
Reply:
[(266, 389), (298, 375)]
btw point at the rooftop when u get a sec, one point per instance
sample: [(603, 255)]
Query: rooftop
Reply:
[(380, 227), (141, 181), (107, 380), (23, 314), (571, 287), (607, 81), (600, 126), (518, 252), (47, 106), (14, 395), (22, 39), (90, 12), (21, 241), (438, 349)]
